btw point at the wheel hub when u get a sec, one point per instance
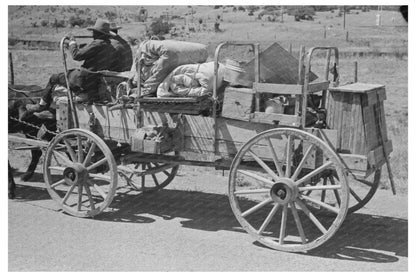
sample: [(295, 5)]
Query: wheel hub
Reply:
[(75, 174), (284, 191)]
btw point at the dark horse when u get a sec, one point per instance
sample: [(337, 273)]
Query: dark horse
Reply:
[(19, 96)]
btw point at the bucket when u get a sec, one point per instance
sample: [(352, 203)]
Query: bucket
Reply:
[(276, 105), (236, 74)]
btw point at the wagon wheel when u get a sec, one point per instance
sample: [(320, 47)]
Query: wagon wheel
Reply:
[(80, 172), (362, 190), (147, 176), (271, 200)]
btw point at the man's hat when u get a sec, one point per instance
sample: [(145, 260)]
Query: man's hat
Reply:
[(114, 27), (101, 26)]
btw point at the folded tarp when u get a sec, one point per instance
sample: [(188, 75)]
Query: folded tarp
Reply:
[(159, 57), (191, 80)]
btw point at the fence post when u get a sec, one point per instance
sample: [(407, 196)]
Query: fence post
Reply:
[(346, 36), (11, 68), (290, 48), (324, 32), (355, 71)]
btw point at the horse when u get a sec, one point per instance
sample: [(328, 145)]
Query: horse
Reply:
[(19, 96)]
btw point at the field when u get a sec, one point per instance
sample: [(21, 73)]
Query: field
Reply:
[(381, 52)]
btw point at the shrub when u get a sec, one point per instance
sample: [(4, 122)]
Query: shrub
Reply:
[(241, 8), (58, 23), (217, 7), (44, 23), (110, 15), (271, 8), (159, 27), (76, 21)]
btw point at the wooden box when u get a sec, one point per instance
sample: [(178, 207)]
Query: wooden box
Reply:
[(238, 103), (357, 112)]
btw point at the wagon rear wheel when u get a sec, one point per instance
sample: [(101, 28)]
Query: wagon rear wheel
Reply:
[(362, 190), (147, 176), (80, 172), (271, 182)]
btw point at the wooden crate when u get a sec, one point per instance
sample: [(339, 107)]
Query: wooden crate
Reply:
[(238, 103), (355, 110)]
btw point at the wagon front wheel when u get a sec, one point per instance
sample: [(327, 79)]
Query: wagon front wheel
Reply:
[(80, 172), (271, 185)]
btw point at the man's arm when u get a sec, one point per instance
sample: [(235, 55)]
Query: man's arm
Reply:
[(80, 54)]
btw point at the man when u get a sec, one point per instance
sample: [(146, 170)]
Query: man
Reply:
[(97, 55), (124, 54)]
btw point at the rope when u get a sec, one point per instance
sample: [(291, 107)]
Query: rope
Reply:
[(33, 126), (25, 91)]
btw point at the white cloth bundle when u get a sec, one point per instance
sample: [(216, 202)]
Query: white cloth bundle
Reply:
[(191, 80)]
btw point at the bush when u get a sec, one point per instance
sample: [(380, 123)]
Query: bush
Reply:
[(271, 8), (302, 13), (253, 8), (58, 24), (110, 15), (241, 8), (217, 7), (76, 21), (44, 23), (159, 27)]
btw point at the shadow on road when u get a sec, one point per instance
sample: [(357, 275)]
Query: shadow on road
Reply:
[(362, 237)]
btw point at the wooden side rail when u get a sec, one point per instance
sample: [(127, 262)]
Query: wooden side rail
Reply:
[(277, 88), (288, 88)]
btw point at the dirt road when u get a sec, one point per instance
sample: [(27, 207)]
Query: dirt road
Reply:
[(190, 227)]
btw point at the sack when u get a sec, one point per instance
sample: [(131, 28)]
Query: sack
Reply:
[(162, 56)]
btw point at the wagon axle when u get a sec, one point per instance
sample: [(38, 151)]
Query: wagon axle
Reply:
[(76, 174), (284, 191)]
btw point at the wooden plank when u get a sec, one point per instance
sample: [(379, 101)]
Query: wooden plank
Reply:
[(278, 88), (318, 86), (28, 141), (276, 119), (346, 127), (356, 88), (376, 157), (372, 140), (198, 126), (383, 120), (354, 162), (338, 117), (372, 97), (238, 103)]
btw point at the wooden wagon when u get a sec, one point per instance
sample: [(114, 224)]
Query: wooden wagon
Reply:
[(290, 186)]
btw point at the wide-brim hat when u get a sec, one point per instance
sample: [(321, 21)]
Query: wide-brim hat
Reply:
[(102, 26), (114, 27)]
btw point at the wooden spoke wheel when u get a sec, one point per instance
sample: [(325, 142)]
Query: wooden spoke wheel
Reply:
[(362, 190), (147, 176), (80, 172), (271, 185)]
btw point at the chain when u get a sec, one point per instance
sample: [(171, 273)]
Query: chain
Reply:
[(33, 126)]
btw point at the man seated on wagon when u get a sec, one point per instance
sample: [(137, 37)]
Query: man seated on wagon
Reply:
[(124, 54), (98, 55)]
